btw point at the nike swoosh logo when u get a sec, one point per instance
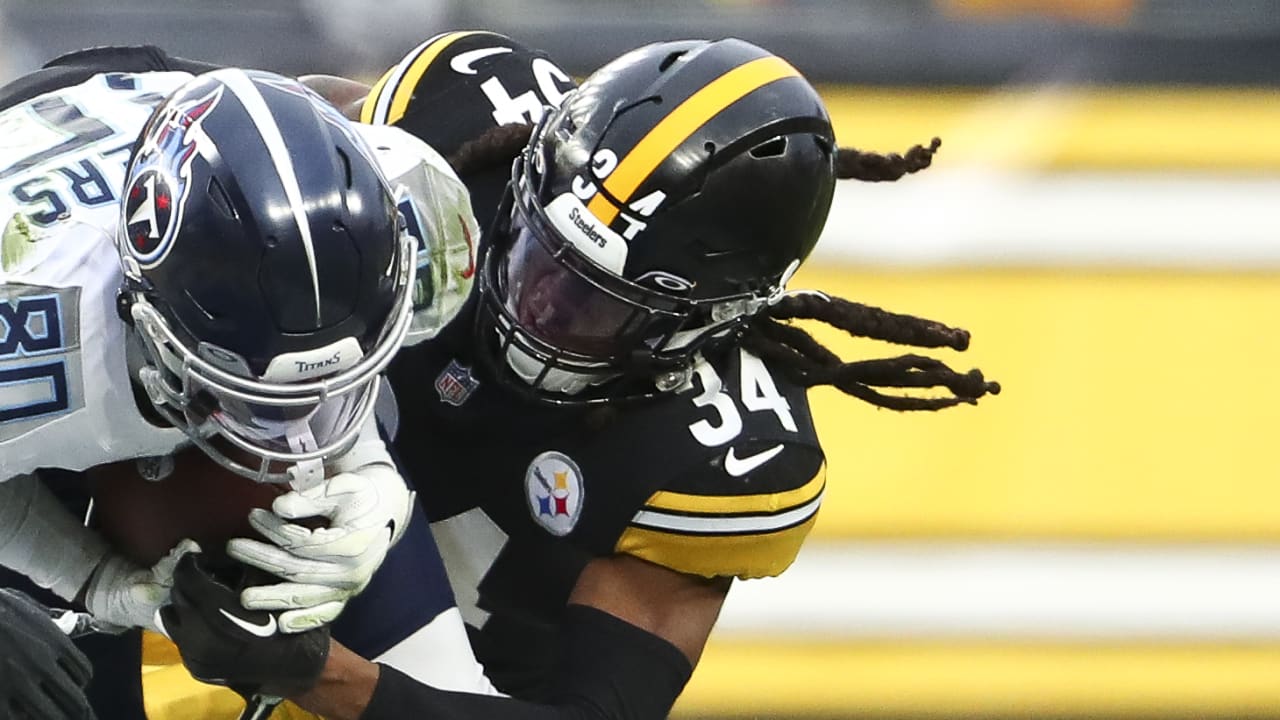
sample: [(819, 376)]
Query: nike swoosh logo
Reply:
[(738, 467), (461, 63), (265, 630)]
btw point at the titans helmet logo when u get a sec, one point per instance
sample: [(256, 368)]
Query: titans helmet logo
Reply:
[(160, 180)]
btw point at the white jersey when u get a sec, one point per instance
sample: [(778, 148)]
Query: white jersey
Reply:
[(65, 395), (66, 399)]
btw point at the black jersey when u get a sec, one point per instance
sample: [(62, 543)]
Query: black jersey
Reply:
[(722, 478)]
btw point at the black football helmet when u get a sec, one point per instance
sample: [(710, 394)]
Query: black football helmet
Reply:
[(266, 271), (662, 206), (484, 79)]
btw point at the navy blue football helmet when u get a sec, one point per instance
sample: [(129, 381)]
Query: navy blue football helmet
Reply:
[(266, 271), (665, 203)]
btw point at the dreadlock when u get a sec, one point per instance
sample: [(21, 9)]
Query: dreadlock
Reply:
[(808, 363), (852, 164), (493, 149), (496, 147), (790, 348)]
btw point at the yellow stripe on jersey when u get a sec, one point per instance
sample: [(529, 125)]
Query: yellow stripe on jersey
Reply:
[(675, 128), (396, 95), (743, 556), (761, 503)]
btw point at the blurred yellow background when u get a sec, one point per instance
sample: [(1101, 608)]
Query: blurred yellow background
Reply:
[(1138, 411), (1135, 406)]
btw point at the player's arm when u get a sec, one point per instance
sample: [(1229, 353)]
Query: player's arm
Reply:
[(41, 539), (611, 668), (75, 67), (343, 93), (633, 631)]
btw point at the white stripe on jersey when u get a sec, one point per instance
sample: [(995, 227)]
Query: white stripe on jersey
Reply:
[(727, 524), (269, 131)]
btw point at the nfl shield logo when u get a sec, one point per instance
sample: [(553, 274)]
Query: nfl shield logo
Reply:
[(455, 384)]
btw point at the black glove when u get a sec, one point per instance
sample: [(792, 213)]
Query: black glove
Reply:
[(42, 674), (222, 643)]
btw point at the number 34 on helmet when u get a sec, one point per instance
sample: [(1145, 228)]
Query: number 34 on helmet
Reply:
[(266, 273)]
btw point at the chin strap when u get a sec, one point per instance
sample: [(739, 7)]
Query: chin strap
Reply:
[(306, 474)]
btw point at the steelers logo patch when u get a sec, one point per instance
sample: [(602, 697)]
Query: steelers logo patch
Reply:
[(553, 484), (148, 213)]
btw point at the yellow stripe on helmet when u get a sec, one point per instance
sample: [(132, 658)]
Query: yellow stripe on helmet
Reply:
[(675, 128), (371, 100), (394, 91)]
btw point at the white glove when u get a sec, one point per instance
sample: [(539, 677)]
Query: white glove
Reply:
[(121, 593), (367, 512)]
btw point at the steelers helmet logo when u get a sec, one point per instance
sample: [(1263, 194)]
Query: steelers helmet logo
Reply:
[(148, 213), (554, 489)]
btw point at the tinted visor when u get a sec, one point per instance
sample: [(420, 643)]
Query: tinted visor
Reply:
[(558, 306), (562, 298), (291, 428)]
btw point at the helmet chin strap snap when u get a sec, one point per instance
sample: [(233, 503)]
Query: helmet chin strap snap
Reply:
[(305, 474)]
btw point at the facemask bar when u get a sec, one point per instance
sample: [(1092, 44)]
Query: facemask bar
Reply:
[(176, 374), (673, 350)]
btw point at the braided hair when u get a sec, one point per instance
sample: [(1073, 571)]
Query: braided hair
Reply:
[(809, 363), (493, 149), (788, 347)]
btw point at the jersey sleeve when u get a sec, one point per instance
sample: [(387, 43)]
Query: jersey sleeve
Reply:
[(75, 67), (742, 529)]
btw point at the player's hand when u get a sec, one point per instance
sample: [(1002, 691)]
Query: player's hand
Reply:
[(222, 643), (366, 512), (121, 593), (42, 674)]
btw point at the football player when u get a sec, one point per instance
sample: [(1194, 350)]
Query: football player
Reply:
[(217, 261), (617, 426), (453, 88)]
